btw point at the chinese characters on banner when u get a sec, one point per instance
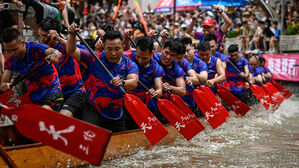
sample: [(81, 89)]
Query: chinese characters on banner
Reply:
[(282, 66)]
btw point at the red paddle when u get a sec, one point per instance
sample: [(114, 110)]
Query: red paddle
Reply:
[(213, 116), (258, 92), (151, 126), (234, 103), (69, 135), (179, 102), (263, 97), (286, 93), (24, 99), (175, 115), (275, 94), (215, 102), (186, 126)]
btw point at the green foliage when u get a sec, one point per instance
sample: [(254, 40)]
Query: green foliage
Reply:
[(292, 29), (233, 34)]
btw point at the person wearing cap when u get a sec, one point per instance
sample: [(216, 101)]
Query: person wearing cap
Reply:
[(209, 27)]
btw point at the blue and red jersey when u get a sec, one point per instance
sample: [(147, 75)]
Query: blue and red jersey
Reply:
[(257, 71), (266, 70), (171, 74), (107, 98), (185, 65), (212, 71), (218, 33), (42, 83), (147, 76), (69, 73), (234, 81), (198, 65), (221, 56)]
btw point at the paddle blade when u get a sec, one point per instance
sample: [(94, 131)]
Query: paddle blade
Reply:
[(179, 102), (215, 102), (234, 103), (82, 140), (286, 93), (213, 116), (276, 93), (5, 96), (263, 97), (24, 99), (186, 126), (147, 122), (270, 92)]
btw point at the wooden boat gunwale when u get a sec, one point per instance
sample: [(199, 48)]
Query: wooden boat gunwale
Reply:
[(121, 144)]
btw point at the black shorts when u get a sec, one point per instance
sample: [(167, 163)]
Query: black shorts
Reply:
[(54, 101), (93, 116), (74, 103)]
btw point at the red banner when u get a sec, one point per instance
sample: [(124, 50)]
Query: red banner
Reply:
[(283, 67)]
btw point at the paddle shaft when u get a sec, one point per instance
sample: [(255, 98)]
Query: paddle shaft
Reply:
[(20, 78), (238, 70), (99, 61)]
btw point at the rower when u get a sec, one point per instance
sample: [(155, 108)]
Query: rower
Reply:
[(201, 71), (255, 70), (68, 69), (43, 86), (105, 99), (174, 74), (267, 72), (236, 82), (212, 40), (150, 74), (208, 25), (214, 66)]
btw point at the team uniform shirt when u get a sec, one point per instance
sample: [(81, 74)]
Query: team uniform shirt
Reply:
[(69, 73), (221, 56), (234, 82), (147, 76), (218, 33), (185, 65), (107, 98), (171, 74), (212, 70), (41, 84), (257, 71)]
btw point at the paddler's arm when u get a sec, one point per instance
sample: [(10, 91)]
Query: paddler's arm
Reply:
[(71, 47), (5, 81), (179, 89), (246, 70), (53, 54), (157, 92), (190, 27), (130, 83), (221, 75), (202, 76), (127, 34), (192, 76), (258, 79), (227, 20)]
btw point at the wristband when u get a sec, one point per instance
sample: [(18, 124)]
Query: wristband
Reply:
[(220, 11), (123, 81)]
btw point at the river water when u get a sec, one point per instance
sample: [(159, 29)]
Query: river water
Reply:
[(259, 139)]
